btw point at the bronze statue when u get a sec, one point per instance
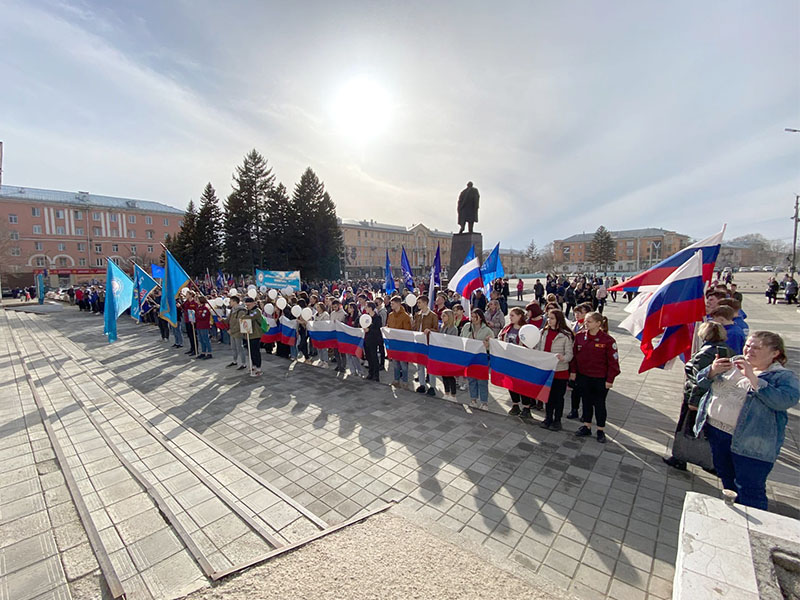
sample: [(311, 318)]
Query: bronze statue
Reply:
[(468, 207)]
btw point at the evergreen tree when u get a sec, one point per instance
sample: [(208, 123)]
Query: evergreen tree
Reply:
[(183, 248), (329, 243), (276, 228), (305, 202), (246, 216), (603, 249), (207, 241)]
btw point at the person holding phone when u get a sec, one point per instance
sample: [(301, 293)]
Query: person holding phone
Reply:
[(713, 336), (744, 414)]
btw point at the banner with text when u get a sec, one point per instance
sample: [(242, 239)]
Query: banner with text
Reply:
[(278, 279)]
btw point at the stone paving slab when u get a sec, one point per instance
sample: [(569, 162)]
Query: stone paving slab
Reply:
[(601, 521)]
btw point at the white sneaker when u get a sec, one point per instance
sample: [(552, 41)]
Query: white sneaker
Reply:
[(484, 406)]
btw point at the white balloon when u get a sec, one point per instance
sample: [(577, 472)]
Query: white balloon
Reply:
[(307, 314), (232, 292), (252, 293), (281, 303), (411, 300), (251, 287), (272, 294), (262, 289), (269, 309), (296, 311), (365, 321), (227, 302), (219, 302), (288, 290), (530, 335)]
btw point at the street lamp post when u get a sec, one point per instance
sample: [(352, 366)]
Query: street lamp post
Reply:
[(794, 240)]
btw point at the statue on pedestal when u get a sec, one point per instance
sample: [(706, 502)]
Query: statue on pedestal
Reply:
[(468, 207)]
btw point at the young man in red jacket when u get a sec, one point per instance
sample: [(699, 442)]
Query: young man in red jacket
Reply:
[(202, 317), (594, 366)]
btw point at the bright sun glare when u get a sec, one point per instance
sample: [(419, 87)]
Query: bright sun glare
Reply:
[(361, 109)]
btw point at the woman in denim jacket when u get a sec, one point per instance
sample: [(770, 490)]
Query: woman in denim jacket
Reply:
[(744, 414)]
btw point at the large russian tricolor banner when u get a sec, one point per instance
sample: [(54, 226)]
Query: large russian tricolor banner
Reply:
[(288, 334), (454, 356), (322, 334), (273, 331), (522, 370), (349, 340), (405, 346)]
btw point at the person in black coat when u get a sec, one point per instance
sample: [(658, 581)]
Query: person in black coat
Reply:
[(373, 339)]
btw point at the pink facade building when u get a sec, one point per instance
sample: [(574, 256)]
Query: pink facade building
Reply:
[(70, 234)]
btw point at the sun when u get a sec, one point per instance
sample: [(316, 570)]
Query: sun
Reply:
[(362, 109)]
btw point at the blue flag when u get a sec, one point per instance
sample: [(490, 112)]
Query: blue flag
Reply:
[(157, 271), (40, 288), (388, 284), (492, 268), (119, 291), (405, 266), (143, 284), (220, 280), (470, 255), (174, 279), (436, 273)]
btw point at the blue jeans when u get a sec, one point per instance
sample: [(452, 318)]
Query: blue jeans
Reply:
[(745, 476), (176, 332), (478, 389), (400, 371), (204, 340)]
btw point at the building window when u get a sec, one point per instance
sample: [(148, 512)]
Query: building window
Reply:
[(81, 247), (150, 233), (166, 222), (59, 213), (62, 247), (95, 230), (62, 261), (166, 236), (148, 220), (95, 216), (133, 250), (98, 262), (38, 246), (37, 229), (40, 261), (12, 219), (98, 248), (131, 218), (150, 249), (115, 233), (60, 230), (77, 215), (112, 217), (115, 247), (16, 252), (14, 235), (131, 233), (79, 231), (81, 262), (35, 212)]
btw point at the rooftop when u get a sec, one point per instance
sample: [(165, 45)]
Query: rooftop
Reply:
[(13, 192), (377, 226), (624, 234)]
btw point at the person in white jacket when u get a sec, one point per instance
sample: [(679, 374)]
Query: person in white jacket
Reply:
[(557, 338)]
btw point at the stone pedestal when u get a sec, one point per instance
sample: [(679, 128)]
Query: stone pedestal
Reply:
[(459, 248)]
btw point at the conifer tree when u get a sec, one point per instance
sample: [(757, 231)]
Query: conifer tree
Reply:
[(183, 244), (246, 216), (208, 233), (276, 253), (603, 249)]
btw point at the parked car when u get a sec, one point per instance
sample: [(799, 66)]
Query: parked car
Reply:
[(767, 269), (753, 269)]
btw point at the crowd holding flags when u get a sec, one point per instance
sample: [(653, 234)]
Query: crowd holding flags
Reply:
[(492, 268), (468, 277)]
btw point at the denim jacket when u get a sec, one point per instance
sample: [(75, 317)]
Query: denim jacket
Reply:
[(761, 426)]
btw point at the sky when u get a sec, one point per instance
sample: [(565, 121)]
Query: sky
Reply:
[(565, 115)]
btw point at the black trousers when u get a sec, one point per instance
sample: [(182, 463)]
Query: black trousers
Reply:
[(381, 356), (255, 352), (567, 309), (517, 398), (190, 335), (593, 392), (555, 401), (450, 385), (163, 327), (371, 351), (575, 398)]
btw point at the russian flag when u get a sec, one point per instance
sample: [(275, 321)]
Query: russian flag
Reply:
[(468, 278), (288, 333), (322, 333), (273, 332), (648, 280), (454, 356), (522, 370), (676, 341), (349, 340), (405, 346)]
